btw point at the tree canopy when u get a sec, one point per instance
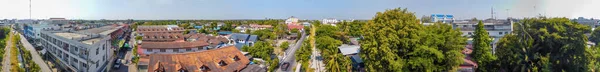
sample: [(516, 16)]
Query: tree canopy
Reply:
[(482, 49), (544, 44), (395, 41)]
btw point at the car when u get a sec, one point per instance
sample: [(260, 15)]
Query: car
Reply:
[(285, 66), (117, 64)]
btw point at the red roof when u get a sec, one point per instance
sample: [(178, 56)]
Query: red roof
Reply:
[(299, 27)]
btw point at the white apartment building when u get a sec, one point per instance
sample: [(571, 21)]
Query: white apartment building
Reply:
[(496, 29), (78, 51), (291, 20), (330, 21)]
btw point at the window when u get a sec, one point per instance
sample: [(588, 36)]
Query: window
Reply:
[(505, 32), (469, 33), (97, 51), (204, 68), (188, 49), (97, 63), (222, 63), (163, 50), (149, 50), (236, 58), (464, 25), (175, 50), (500, 33)]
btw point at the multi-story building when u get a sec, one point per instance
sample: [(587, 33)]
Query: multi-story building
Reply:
[(77, 51), (141, 30), (442, 18), (162, 43), (292, 20), (330, 21), (32, 31), (496, 28)]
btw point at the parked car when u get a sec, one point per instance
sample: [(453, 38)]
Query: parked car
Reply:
[(285, 66), (117, 64)]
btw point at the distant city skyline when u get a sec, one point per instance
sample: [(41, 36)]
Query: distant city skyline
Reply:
[(280, 9)]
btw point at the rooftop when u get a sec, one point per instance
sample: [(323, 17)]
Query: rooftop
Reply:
[(70, 35), (104, 30), (225, 59), (91, 41), (349, 49)]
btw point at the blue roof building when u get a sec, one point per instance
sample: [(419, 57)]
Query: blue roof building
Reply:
[(243, 39)]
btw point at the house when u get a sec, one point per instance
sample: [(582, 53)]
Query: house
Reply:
[(298, 27), (349, 49), (243, 39), (227, 59), (469, 65), (259, 27)]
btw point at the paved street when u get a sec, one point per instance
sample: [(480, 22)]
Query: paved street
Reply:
[(34, 55), (290, 57)]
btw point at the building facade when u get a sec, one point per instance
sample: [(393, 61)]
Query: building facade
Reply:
[(442, 18), (77, 51), (330, 21)]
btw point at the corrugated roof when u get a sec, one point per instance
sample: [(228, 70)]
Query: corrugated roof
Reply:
[(349, 49)]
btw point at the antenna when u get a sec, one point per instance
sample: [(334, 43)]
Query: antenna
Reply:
[(29, 9), (507, 14)]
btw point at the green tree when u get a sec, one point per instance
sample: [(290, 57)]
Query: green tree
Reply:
[(544, 44), (394, 41), (425, 19), (595, 36), (264, 34), (482, 49), (285, 45)]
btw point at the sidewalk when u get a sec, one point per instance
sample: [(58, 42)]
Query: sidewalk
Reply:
[(34, 55)]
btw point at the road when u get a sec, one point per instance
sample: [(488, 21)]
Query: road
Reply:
[(290, 57), (34, 55), (6, 62)]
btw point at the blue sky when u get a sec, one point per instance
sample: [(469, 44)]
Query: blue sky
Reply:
[(279, 9)]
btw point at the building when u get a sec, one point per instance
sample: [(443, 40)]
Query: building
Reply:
[(32, 31), (117, 32), (243, 39), (171, 43), (298, 27), (77, 51), (227, 59), (442, 18), (141, 30), (259, 27), (589, 22), (496, 29), (292, 20), (330, 21), (469, 65), (306, 23)]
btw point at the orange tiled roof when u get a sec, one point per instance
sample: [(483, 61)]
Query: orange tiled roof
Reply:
[(193, 61)]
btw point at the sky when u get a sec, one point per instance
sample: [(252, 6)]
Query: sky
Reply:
[(281, 9)]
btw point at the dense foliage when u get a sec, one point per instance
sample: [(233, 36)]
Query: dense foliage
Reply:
[(395, 41), (544, 44), (595, 36), (482, 49)]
